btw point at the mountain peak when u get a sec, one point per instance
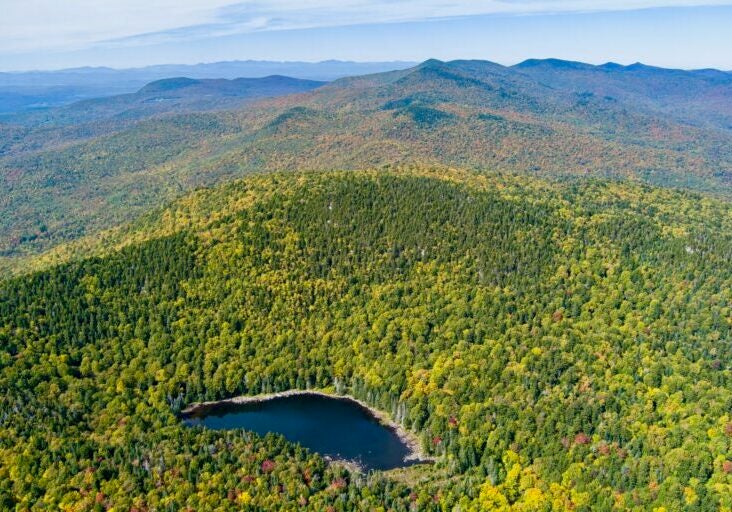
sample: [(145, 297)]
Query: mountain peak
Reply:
[(611, 66), (639, 66), (170, 84), (431, 63), (553, 63)]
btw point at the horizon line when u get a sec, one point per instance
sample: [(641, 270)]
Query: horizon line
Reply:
[(411, 63)]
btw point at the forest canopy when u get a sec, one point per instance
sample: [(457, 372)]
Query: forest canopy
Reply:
[(556, 345)]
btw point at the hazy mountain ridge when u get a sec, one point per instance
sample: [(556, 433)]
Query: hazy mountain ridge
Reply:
[(176, 95), (34, 90), (701, 97)]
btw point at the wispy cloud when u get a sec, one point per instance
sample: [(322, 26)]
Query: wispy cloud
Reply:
[(35, 25)]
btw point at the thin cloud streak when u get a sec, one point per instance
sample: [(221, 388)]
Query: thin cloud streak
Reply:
[(78, 24)]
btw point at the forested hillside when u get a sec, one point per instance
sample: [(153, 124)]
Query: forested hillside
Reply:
[(701, 97), (81, 124), (556, 345), (549, 119)]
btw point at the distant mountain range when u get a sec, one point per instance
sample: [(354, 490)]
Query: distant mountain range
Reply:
[(702, 97), (177, 95), (550, 118), (33, 90)]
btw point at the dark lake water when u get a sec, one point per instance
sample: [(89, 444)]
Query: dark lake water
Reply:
[(335, 427)]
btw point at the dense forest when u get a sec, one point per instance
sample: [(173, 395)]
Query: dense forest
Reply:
[(555, 345)]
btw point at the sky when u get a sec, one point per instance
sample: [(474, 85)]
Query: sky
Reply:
[(54, 34)]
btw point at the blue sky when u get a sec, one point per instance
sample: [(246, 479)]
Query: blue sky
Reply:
[(52, 34)]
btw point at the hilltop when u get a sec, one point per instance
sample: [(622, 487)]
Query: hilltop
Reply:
[(556, 346)]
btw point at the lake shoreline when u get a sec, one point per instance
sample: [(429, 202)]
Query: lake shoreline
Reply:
[(416, 454)]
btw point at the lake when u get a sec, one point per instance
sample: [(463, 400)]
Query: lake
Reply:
[(335, 427)]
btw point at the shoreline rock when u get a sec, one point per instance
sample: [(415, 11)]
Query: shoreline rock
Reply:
[(416, 454)]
